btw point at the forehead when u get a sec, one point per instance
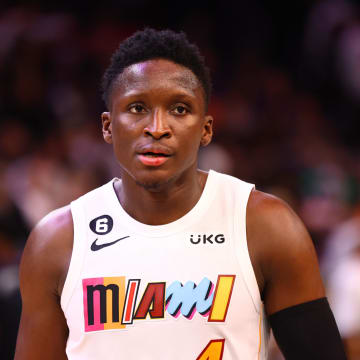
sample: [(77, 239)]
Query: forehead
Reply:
[(157, 74)]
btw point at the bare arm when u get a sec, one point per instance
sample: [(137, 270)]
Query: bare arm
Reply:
[(282, 254), (43, 331), (287, 272)]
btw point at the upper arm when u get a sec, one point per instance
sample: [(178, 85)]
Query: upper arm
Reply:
[(43, 331), (282, 254)]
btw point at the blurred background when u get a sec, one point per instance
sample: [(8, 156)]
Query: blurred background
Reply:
[(286, 104)]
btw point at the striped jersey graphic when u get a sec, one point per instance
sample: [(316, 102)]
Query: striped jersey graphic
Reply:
[(108, 306)]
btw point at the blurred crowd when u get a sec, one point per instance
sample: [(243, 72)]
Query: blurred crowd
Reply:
[(285, 102)]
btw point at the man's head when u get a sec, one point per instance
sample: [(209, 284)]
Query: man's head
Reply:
[(152, 44), (157, 102)]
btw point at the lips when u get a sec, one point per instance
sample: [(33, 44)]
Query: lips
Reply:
[(154, 156), (149, 160)]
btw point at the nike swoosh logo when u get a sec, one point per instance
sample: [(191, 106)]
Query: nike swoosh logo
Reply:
[(96, 247)]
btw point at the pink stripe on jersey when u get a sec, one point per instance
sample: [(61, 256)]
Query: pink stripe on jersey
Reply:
[(96, 304)]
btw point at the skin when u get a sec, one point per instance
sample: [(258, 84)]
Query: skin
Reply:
[(156, 103), (352, 343)]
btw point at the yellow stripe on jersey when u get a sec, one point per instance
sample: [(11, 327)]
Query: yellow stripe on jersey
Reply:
[(222, 297)]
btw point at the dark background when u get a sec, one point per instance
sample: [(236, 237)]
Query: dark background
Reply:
[(286, 79)]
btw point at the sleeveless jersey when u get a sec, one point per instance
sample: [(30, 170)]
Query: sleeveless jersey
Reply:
[(180, 291)]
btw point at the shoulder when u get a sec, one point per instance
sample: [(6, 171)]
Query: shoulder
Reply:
[(272, 213), (281, 251), (55, 222), (268, 219), (48, 249), (272, 224)]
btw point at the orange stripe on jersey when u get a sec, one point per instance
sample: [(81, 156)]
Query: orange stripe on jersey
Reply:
[(110, 323)]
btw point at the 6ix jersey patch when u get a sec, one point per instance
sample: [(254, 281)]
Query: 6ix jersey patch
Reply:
[(111, 303), (101, 225)]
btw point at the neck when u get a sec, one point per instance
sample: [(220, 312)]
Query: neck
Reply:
[(164, 206)]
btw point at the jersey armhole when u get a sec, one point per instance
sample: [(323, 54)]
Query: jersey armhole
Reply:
[(241, 246), (77, 255)]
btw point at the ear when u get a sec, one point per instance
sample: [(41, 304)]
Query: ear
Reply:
[(106, 127), (207, 131)]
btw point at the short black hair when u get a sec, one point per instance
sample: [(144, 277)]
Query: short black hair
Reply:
[(151, 44)]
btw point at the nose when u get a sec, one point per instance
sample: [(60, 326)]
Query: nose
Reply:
[(158, 126)]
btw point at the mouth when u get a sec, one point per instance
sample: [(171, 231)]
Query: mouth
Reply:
[(154, 155), (153, 159)]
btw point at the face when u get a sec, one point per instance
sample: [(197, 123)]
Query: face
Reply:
[(157, 122)]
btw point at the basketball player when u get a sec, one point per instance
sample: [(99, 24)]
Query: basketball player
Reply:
[(169, 262)]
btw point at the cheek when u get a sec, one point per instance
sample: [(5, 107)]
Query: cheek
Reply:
[(120, 141), (196, 134), (192, 139), (123, 132)]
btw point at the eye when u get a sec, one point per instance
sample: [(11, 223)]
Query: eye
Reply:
[(137, 109), (180, 110)]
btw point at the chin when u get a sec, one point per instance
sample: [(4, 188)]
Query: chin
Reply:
[(153, 182)]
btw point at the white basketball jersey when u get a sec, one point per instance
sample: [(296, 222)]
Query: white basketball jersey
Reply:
[(181, 291)]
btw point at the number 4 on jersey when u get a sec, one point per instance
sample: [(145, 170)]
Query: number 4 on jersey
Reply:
[(214, 350)]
